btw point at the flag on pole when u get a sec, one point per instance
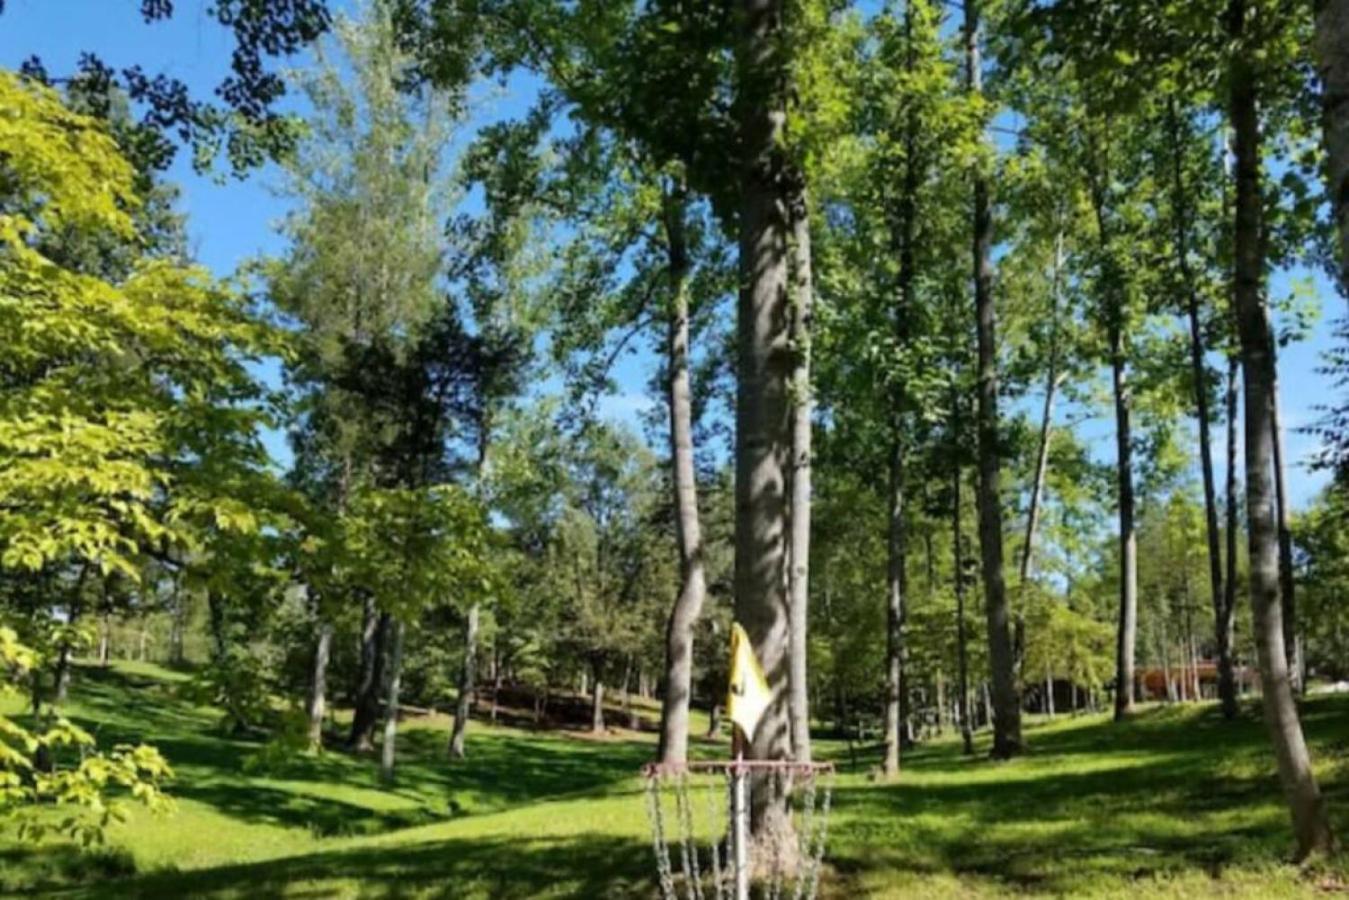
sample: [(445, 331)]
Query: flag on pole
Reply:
[(749, 695)]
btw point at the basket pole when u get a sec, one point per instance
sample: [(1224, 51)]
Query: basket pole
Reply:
[(740, 819)]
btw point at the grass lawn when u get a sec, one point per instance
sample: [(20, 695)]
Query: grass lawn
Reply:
[(1176, 803)]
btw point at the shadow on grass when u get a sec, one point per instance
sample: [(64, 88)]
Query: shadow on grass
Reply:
[(322, 816), (26, 869), (586, 866), (513, 769), (1171, 791), (503, 768), (1174, 790)]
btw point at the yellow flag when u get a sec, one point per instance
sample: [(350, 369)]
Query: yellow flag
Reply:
[(749, 695)]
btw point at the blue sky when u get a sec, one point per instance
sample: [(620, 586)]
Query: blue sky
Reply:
[(230, 221)]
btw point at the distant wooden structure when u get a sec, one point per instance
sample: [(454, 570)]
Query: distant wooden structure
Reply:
[(1178, 682)]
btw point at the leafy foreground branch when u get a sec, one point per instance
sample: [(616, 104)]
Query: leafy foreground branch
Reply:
[(90, 792)]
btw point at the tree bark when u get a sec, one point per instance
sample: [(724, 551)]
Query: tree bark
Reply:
[(1198, 371), (375, 637), (904, 237), (958, 560), (1191, 655), (630, 714), (1332, 55), (62, 690), (674, 712), (940, 691), (763, 433), (63, 656), (894, 650), (496, 684), (1311, 828), (1126, 634), (798, 581), (176, 628), (387, 754), (1164, 651), (1225, 615), (318, 683), (1006, 702), (177, 621), (215, 609), (1286, 595), (466, 676), (1052, 381), (597, 701)]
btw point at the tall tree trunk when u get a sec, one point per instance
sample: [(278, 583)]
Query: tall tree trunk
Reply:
[(323, 641), (375, 637), (177, 621), (896, 709), (62, 690), (1332, 57), (63, 655), (1006, 702), (597, 700), (387, 754), (1164, 652), (1225, 616), (466, 676), (1126, 635), (1053, 379), (1198, 371), (630, 716), (763, 432), (215, 609), (940, 692), (894, 645), (1311, 827), (674, 711), (318, 683), (798, 581), (467, 687), (497, 668), (958, 564), (1191, 656), (176, 628), (1281, 501), (104, 641)]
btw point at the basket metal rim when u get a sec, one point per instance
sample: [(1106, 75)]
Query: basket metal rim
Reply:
[(736, 767)]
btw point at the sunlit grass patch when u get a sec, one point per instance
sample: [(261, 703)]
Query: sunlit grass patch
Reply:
[(1174, 803)]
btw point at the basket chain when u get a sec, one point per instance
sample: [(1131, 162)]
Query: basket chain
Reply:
[(822, 833), (661, 848), (714, 817), (688, 849), (811, 837), (804, 834)]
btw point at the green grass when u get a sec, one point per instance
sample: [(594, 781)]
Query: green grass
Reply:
[(1175, 803)]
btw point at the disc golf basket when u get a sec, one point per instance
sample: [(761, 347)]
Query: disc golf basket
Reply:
[(699, 814)]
